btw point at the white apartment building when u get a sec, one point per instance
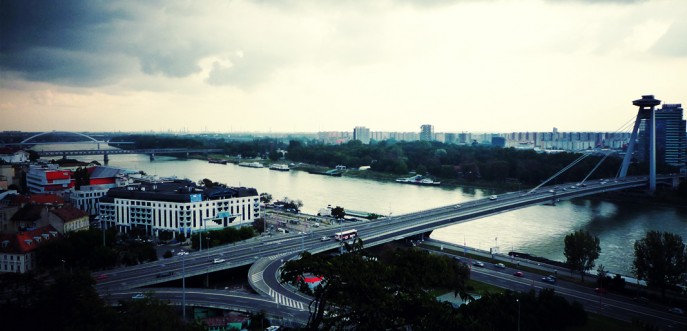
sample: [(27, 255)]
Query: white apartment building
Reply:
[(178, 206)]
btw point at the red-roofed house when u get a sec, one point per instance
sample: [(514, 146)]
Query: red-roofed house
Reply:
[(17, 251), (68, 219), (312, 280), (27, 211), (28, 217)]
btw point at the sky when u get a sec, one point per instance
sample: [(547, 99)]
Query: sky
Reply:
[(331, 65)]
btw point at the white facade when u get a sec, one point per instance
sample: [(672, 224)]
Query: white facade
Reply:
[(16, 157), (155, 215), (86, 199), (16, 262)]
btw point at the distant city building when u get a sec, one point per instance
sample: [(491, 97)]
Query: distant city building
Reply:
[(464, 138), (361, 133), (427, 132), (498, 141), (671, 144), (404, 136), (178, 206), (13, 155), (450, 138), (334, 137)]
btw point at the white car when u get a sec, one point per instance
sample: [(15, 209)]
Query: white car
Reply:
[(478, 264), (493, 197), (138, 296), (218, 261), (324, 238)]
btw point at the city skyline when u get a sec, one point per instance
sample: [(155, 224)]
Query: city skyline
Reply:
[(313, 66)]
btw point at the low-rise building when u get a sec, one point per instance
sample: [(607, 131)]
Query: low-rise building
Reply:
[(13, 155), (17, 250), (68, 219)]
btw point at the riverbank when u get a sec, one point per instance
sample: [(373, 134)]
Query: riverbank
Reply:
[(663, 197)]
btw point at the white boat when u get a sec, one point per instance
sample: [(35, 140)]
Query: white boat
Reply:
[(279, 167), (417, 180), (251, 164)]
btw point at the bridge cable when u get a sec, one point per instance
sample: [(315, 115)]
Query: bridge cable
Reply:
[(560, 172), (597, 165)]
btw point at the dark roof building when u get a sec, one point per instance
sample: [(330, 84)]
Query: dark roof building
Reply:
[(180, 206)]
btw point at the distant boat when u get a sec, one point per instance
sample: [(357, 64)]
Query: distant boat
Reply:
[(332, 172), (417, 180), (218, 161), (251, 164), (279, 167)]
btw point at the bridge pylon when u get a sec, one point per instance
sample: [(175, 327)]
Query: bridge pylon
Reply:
[(646, 112)]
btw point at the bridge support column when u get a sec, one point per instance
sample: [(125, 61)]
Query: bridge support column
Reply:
[(106, 158), (152, 156), (646, 112)]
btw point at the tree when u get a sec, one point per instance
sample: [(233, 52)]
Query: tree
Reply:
[(581, 250), (660, 259), (265, 197), (391, 292), (338, 212)]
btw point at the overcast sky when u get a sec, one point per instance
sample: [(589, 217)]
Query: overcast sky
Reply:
[(331, 65)]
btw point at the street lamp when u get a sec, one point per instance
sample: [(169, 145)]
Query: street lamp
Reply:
[(183, 284), (205, 229), (518, 301), (340, 237), (208, 249)]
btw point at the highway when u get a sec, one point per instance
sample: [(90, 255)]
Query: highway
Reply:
[(275, 249), (611, 305)]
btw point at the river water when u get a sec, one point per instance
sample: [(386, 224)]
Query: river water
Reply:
[(537, 230)]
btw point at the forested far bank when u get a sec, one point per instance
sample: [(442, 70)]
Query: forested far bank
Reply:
[(447, 162)]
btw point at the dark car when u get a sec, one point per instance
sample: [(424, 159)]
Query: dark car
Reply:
[(600, 290), (518, 274)]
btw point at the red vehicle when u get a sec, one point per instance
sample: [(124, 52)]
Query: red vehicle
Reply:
[(518, 274), (101, 277)]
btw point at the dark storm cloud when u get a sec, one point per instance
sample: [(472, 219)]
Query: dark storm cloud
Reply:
[(91, 42), (57, 41)]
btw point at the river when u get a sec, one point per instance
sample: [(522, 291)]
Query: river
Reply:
[(537, 230)]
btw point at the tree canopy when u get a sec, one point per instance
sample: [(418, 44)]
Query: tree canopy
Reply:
[(363, 293), (660, 259), (581, 250)]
